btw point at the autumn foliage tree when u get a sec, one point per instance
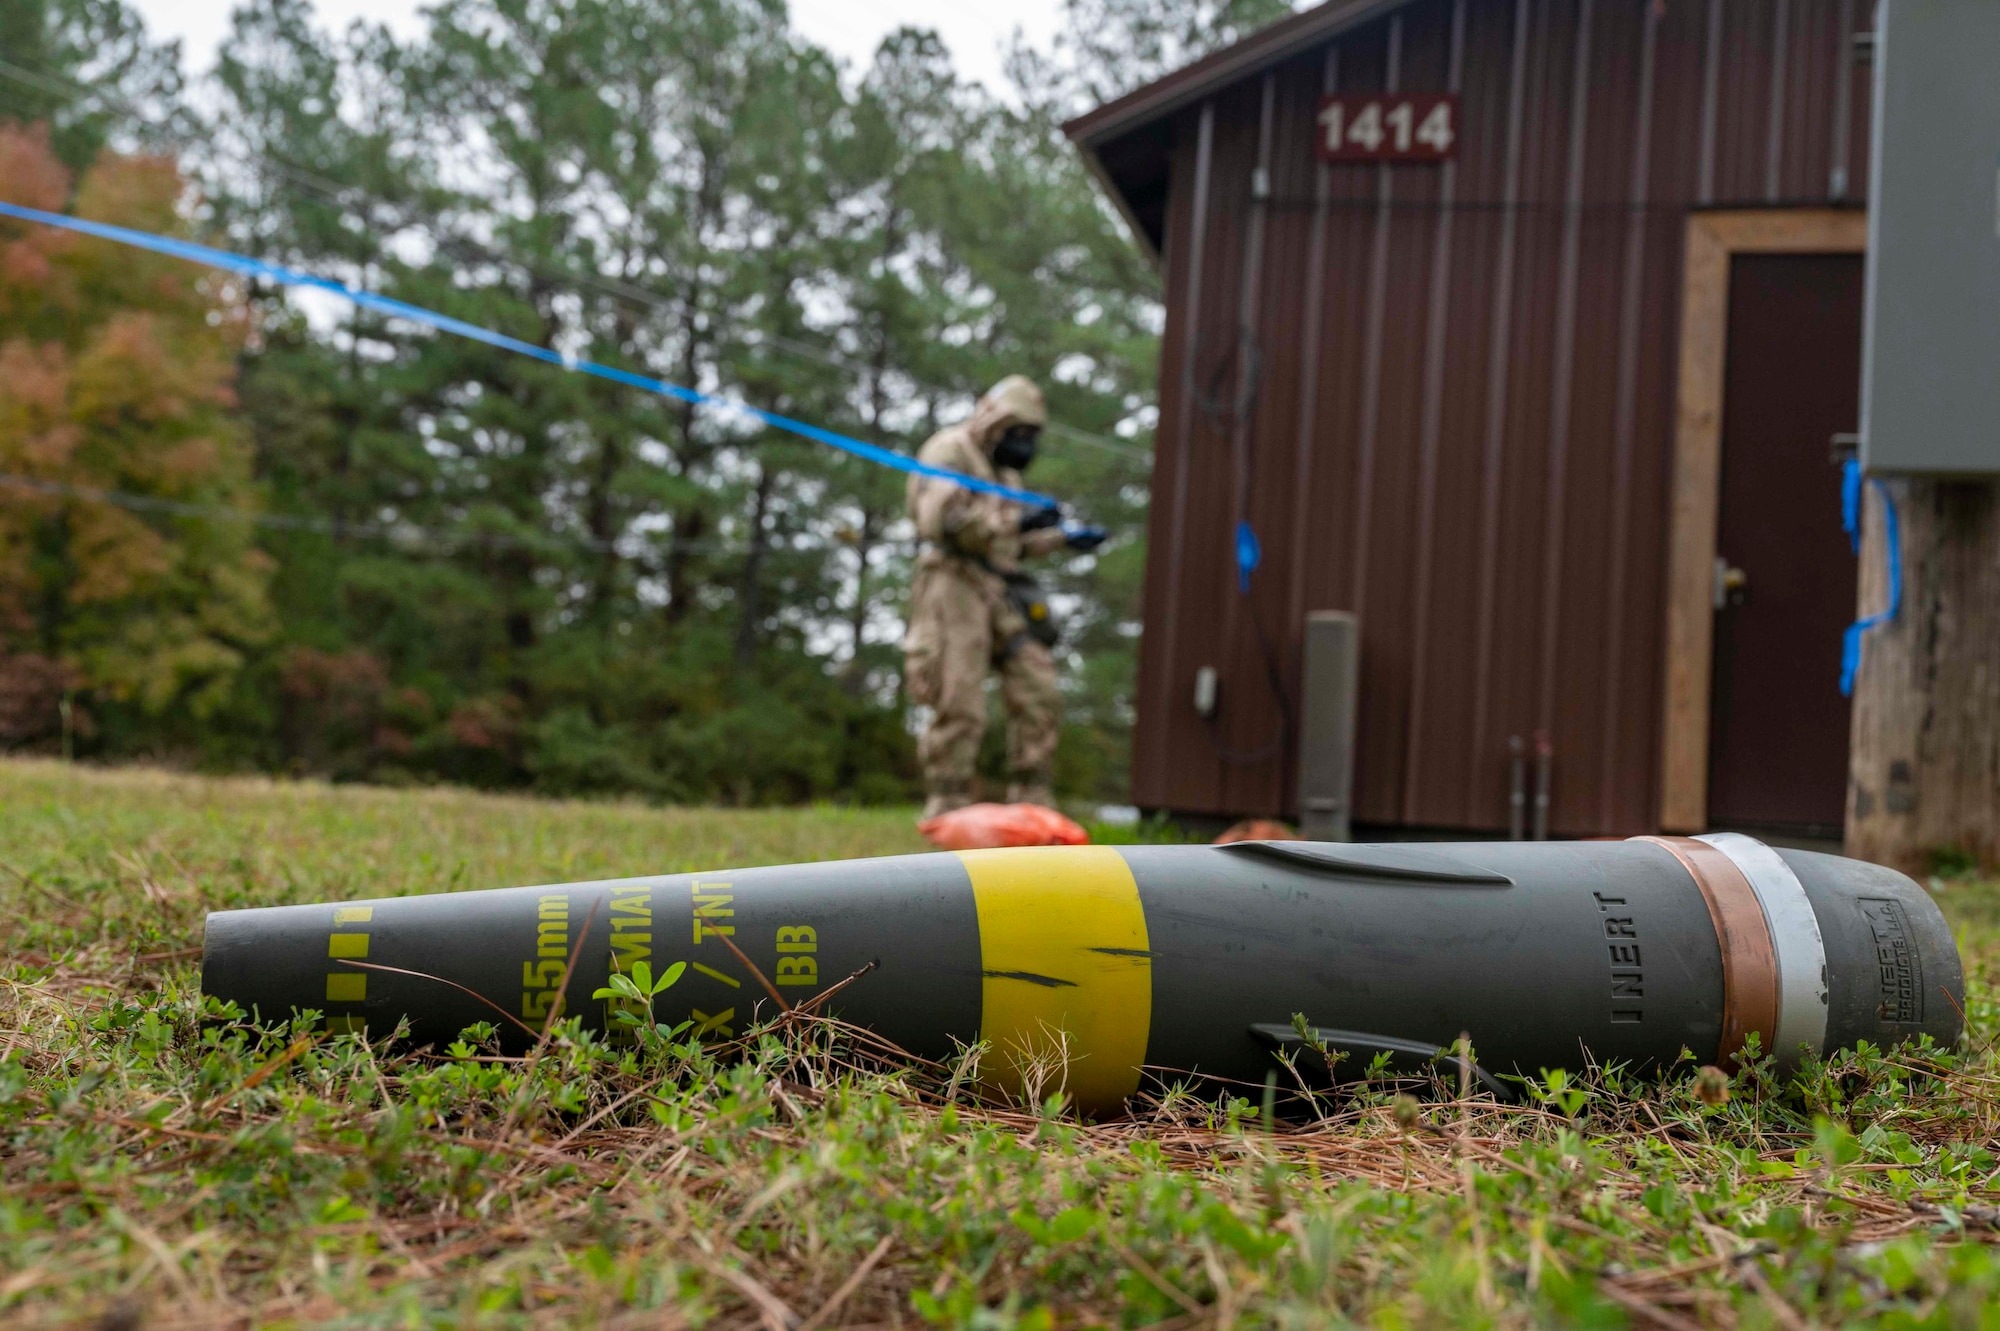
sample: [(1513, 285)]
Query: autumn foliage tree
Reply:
[(117, 375), (479, 568)]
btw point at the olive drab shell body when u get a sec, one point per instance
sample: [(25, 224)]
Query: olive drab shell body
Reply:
[(1092, 969)]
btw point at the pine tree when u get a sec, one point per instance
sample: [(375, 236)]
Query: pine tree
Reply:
[(503, 572)]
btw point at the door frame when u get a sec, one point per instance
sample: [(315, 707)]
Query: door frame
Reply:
[(1695, 493)]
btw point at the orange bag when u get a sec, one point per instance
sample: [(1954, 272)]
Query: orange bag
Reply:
[(987, 826), (1257, 829)]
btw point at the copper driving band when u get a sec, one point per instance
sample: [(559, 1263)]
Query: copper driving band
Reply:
[(1749, 960)]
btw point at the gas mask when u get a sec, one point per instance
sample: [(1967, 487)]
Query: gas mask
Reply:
[(1016, 449)]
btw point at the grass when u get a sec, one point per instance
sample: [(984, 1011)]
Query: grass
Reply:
[(159, 1170)]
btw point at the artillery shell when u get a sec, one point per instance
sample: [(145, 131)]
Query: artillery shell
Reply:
[(1089, 968)]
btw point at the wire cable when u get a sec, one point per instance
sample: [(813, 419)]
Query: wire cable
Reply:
[(245, 266), (405, 533), (618, 288)]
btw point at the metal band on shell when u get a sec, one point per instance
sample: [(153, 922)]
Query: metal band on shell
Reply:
[(1795, 937), (1750, 996)]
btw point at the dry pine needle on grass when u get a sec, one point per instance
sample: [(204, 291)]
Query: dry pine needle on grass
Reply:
[(164, 1166)]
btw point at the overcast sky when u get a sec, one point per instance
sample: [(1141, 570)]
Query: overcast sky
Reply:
[(848, 28)]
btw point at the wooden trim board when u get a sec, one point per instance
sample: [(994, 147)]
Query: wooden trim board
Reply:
[(1696, 494)]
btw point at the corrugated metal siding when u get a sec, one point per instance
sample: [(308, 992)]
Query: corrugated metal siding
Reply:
[(1443, 396)]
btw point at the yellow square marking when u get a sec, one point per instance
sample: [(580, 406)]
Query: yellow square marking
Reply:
[(347, 945), (346, 987), (353, 914)]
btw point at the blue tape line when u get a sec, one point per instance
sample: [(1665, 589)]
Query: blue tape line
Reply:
[(1850, 502), (1850, 648), (368, 300), (1249, 554)]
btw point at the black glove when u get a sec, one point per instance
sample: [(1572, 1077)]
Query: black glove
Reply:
[(1037, 518), (1083, 539)]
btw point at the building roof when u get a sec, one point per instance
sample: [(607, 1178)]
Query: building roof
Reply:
[(1126, 143)]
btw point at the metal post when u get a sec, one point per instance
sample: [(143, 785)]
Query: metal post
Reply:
[(1326, 725)]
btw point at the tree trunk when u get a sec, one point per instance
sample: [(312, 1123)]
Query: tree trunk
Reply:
[(604, 582), (691, 520), (750, 598), (1924, 772), (857, 615), (878, 405), (349, 418), (600, 510)]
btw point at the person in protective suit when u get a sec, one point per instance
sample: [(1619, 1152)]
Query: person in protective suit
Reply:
[(973, 613)]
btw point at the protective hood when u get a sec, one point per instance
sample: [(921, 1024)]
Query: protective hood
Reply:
[(1013, 401)]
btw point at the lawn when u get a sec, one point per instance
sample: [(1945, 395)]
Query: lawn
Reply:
[(163, 1170)]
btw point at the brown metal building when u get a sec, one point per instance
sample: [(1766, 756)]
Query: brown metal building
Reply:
[(1551, 416)]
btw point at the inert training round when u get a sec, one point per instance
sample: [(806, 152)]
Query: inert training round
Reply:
[(1095, 970)]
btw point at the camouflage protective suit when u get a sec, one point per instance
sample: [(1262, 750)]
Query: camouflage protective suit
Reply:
[(962, 626)]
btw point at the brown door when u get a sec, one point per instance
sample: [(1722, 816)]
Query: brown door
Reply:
[(1785, 571)]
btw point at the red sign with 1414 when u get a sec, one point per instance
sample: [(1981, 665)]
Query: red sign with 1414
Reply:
[(1388, 127)]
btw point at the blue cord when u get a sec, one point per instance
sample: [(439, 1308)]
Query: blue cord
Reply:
[(1850, 516), (249, 267)]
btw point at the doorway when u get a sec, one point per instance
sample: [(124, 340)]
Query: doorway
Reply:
[(1785, 573), (1769, 351)]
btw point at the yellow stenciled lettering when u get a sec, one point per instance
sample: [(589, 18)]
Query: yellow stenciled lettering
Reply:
[(631, 930), (631, 943), (541, 979), (800, 967), (542, 974), (552, 940), (627, 948), (710, 906), (715, 1025)]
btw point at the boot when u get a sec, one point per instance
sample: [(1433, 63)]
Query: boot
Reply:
[(1031, 788), (945, 796)]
